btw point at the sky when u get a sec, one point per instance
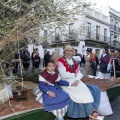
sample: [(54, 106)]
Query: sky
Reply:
[(115, 4)]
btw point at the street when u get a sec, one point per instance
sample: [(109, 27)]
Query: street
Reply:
[(116, 111)]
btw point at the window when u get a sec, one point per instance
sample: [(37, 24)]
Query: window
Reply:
[(89, 29), (71, 29), (105, 34), (111, 24), (97, 32), (57, 33)]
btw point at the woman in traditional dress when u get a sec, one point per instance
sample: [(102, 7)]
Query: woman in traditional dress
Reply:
[(85, 99), (104, 60), (53, 98), (87, 68)]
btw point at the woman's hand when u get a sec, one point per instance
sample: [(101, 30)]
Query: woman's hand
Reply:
[(51, 94), (75, 83)]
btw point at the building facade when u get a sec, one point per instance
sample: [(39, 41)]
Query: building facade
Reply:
[(90, 30), (98, 34), (114, 24)]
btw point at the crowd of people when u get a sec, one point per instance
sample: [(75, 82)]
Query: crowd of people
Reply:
[(33, 60), (108, 65), (27, 60)]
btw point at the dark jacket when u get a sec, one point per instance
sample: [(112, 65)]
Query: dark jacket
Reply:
[(104, 62)]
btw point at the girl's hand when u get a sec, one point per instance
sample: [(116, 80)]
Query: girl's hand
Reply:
[(51, 94)]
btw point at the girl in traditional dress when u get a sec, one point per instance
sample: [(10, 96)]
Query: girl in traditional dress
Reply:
[(85, 99), (53, 98), (104, 60)]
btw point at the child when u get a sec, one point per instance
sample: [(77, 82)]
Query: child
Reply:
[(54, 99)]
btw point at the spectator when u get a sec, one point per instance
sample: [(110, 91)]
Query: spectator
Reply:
[(32, 54), (36, 59), (104, 60), (90, 63), (46, 57), (77, 56), (26, 60), (115, 71)]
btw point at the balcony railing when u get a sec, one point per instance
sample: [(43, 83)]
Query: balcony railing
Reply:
[(115, 28), (97, 37), (105, 38)]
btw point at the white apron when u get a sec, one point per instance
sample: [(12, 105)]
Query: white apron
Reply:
[(80, 93)]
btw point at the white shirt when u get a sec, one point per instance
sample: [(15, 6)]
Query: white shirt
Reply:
[(104, 55)]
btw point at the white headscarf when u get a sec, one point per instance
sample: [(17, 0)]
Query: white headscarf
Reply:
[(68, 47)]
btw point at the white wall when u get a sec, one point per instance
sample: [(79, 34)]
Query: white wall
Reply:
[(60, 49), (105, 10)]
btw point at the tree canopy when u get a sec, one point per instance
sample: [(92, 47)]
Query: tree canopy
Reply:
[(23, 19)]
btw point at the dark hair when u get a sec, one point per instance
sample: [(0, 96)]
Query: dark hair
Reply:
[(112, 50), (76, 50), (117, 49), (106, 49), (48, 61), (89, 50)]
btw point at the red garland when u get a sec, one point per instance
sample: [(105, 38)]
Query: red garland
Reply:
[(67, 66)]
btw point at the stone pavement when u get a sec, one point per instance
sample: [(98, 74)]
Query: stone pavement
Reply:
[(116, 111)]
